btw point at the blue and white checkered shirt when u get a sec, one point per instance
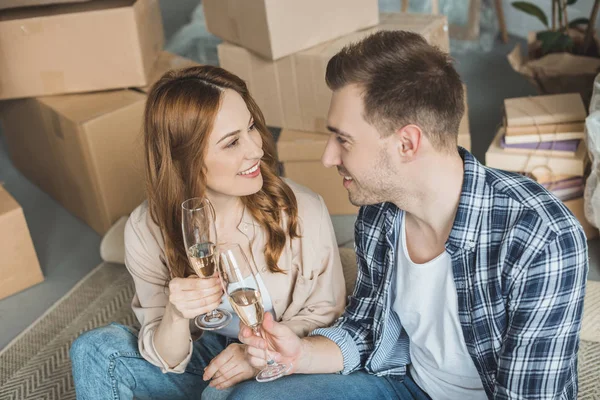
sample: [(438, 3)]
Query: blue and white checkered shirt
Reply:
[(520, 264)]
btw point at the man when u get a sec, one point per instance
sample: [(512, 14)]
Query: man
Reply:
[(470, 281)]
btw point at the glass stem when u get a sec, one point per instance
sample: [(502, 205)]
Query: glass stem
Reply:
[(268, 358)]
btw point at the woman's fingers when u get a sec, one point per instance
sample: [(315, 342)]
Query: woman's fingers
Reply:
[(193, 283), (235, 375), (217, 363), (191, 295)]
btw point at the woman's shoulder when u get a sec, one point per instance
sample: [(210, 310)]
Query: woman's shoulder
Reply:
[(309, 202), (141, 232)]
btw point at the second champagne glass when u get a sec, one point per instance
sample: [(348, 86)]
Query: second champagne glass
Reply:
[(199, 237), (241, 285)]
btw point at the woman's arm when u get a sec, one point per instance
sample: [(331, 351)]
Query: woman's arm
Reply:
[(319, 295), (163, 310)]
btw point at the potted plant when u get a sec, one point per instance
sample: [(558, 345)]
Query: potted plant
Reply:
[(565, 56)]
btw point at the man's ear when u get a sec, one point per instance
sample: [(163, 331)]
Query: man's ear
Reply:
[(408, 140)]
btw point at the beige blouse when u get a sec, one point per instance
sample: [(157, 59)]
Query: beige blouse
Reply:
[(311, 294)]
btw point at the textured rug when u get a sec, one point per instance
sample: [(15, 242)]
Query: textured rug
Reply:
[(36, 364)]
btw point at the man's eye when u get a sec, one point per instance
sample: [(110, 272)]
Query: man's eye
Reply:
[(232, 144), (340, 140)]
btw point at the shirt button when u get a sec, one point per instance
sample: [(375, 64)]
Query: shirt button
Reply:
[(277, 301), (264, 269)]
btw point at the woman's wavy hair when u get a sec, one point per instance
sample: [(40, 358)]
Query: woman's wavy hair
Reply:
[(179, 117)]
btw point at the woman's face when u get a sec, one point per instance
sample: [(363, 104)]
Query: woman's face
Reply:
[(234, 150)]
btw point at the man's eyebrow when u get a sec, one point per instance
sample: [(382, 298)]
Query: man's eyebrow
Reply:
[(338, 132), (233, 133)]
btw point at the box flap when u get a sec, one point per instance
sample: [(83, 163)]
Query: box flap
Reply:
[(301, 146), (5, 4), (80, 108), (7, 202), (166, 62), (419, 23)]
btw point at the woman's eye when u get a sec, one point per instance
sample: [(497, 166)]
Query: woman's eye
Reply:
[(232, 144), (340, 140), (252, 127)]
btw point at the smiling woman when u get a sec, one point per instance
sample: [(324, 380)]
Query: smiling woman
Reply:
[(206, 137)]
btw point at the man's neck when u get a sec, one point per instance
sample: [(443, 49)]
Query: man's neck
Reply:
[(432, 203)]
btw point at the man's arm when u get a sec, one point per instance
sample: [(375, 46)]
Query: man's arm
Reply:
[(539, 354), (310, 355)]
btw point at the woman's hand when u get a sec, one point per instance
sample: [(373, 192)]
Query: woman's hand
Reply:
[(193, 296), (229, 367)]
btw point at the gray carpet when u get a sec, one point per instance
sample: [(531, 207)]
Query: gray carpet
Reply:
[(36, 365)]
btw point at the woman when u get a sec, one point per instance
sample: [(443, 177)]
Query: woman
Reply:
[(206, 137)]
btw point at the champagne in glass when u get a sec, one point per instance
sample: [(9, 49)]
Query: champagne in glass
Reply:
[(199, 237), (248, 305), (240, 284)]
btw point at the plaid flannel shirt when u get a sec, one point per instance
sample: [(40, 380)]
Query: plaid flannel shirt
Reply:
[(520, 264)]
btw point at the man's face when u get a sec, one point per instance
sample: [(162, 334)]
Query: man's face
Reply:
[(361, 155)]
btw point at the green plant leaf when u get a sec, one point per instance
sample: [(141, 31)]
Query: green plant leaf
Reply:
[(578, 21), (571, 2), (553, 42), (531, 9)]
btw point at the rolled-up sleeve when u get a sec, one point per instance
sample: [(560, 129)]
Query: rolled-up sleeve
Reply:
[(151, 276)]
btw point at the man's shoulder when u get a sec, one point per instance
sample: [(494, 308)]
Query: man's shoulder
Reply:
[(514, 197)]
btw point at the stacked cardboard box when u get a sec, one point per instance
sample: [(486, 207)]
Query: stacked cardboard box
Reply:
[(291, 91), (85, 150), (281, 49), (74, 83), (19, 268), (542, 137)]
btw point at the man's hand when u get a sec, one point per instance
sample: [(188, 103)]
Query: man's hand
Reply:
[(230, 367), (282, 343)]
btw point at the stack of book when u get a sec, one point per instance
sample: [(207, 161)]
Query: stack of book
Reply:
[(542, 138)]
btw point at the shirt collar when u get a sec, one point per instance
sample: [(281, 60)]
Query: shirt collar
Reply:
[(467, 223)]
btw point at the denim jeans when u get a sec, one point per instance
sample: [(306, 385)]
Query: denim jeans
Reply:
[(107, 365), (356, 386)]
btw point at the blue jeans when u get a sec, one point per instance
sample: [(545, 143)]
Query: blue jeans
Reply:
[(107, 365), (356, 386)]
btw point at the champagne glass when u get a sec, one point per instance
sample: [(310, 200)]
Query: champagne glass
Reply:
[(240, 284), (199, 237)]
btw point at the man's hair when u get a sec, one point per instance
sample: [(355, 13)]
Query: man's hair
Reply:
[(405, 81)]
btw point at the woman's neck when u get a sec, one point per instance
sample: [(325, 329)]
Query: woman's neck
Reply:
[(228, 209)]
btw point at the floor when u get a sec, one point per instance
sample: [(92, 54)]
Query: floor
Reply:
[(68, 249)]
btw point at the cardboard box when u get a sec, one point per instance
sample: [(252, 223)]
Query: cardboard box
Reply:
[(291, 91), (19, 266), (274, 29), (542, 110), (576, 207), (300, 153), (85, 150), (497, 157), (83, 47)]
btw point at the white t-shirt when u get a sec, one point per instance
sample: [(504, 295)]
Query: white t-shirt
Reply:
[(427, 305), (233, 329)]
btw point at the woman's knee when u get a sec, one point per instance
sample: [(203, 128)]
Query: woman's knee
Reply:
[(102, 343)]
